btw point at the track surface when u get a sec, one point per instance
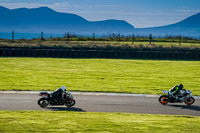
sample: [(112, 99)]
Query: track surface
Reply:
[(93, 103)]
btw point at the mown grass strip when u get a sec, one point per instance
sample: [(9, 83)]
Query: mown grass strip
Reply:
[(105, 75), (105, 45), (48, 121)]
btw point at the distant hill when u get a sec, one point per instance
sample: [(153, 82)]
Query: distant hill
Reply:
[(188, 27), (47, 20)]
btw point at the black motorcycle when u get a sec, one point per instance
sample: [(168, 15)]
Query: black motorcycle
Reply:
[(66, 99)]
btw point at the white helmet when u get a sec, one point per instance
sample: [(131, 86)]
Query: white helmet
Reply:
[(63, 88)]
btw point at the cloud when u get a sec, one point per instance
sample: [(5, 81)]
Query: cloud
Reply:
[(188, 11), (106, 6)]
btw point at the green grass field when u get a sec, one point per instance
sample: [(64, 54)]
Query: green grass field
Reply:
[(70, 122), (122, 45), (106, 75)]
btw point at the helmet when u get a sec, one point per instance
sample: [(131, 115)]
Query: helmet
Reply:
[(180, 86), (63, 88)]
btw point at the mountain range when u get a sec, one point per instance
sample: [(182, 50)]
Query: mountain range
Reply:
[(187, 27), (46, 20)]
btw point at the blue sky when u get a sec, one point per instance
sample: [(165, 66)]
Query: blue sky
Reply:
[(139, 13)]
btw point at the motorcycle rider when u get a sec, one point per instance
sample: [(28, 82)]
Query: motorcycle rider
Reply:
[(175, 90), (57, 94)]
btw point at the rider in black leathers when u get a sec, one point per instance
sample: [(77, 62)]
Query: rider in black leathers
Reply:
[(175, 90), (57, 94)]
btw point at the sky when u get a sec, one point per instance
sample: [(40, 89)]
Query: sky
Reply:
[(139, 13)]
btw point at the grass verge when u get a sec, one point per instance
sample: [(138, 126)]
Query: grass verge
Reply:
[(105, 45), (48, 121), (105, 75)]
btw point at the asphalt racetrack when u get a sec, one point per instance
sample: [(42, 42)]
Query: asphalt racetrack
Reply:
[(102, 103)]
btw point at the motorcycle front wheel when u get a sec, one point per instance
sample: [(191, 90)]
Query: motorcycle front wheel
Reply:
[(70, 103), (43, 102), (189, 101), (164, 99)]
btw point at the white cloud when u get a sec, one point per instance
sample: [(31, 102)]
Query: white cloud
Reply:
[(106, 6), (188, 11)]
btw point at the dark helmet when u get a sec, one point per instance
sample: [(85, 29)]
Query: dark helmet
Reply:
[(180, 86)]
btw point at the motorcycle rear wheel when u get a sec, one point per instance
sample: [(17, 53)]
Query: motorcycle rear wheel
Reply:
[(189, 101), (43, 102), (164, 99)]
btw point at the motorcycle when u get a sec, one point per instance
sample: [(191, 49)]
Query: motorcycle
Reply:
[(67, 100), (183, 96)]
